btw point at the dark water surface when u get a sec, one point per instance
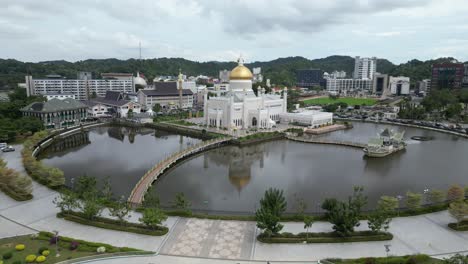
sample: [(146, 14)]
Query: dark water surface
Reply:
[(122, 154), (233, 179)]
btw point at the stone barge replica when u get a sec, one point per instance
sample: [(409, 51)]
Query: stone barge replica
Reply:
[(388, 142)]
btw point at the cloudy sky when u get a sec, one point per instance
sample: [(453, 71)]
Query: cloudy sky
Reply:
[(203, 30)]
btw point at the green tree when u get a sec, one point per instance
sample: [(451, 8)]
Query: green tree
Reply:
[(120, 209), (459, 211), (130, 113), (358, 200), (453, 110), (456, 259), (272, 206), (66, 201), (156, 108), (151, 199), (344, 219), (308, 221), (328, 205), (106, 190), (301, 205), (91, 206), (413, 200), (436, 196), (388, 203), (379, 220), (22, 185), (181, 202), (153, 217), (267, 221), (86, 184)]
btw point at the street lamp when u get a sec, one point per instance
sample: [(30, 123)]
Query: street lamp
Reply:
[(426, 194), (56, 243), (399, 198)]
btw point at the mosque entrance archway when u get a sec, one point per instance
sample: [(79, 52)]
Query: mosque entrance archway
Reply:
[(254, 122)]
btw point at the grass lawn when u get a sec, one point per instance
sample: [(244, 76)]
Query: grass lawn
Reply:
[(349, 100), (32, 246)]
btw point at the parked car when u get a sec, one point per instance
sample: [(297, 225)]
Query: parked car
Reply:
[(8, 149)]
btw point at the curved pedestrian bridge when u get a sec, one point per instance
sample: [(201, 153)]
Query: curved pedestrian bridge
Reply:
[(137, 195)]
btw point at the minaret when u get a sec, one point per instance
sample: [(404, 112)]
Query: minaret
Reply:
[(180, 81), (285, 100)]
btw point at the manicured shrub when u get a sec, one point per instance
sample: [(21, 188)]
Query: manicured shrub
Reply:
[(45, 253), (40, 259), (41, 249), (30, 258), (53, 240), (101, 250), (74, 245), (20, 247), (7, 255)]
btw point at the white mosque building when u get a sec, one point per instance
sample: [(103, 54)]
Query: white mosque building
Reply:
[(240, 108)]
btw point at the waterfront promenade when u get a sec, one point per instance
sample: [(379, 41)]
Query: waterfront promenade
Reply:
[(193, 240)]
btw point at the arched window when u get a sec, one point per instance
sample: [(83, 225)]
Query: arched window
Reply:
[(254, 122)]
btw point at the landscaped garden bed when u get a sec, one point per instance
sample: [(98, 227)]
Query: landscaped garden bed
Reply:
[(462, 226), (43, 247), (257, 138), (112, 224), (330, 237), (413, 259)]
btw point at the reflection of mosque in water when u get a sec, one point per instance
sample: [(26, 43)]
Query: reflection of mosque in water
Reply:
[(239, 161), (119, 133)]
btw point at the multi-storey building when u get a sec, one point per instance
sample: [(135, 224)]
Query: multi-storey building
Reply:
[(166, 95), (424, 86), (309, 78), (447, 76), (365, 68), (224, 76), (82, 89), (346, 86), (399, 85), (380, 84)]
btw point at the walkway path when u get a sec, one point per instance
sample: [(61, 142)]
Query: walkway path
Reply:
[(138, 192), (327, 141), (197, 240)]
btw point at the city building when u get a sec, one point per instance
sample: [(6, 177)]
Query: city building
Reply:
[(465, 77), (59, 96), (309, 78), (424, 86), (447, 76), (380, 86), (240, 108), (338, 74), (399, 85), (117, 104), (308, 118), (166, 95), (96, 109), (349, 86), (82, 89), (365, 68), (257, 75), (57, 113)]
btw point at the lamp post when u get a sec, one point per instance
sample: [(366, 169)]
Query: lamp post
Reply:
[(57, 253), (426, 194), (399, 198)]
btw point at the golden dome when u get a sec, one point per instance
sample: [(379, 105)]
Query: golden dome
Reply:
[(241, 72)]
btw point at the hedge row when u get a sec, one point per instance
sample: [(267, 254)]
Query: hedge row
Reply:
[(463, 226), (112, 224), (258, 137), (45, 175), (84, 246), (328, 237), (15, 195), (410, 259)]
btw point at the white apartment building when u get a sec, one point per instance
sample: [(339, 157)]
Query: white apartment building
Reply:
[(365, 68), (424, 86), (82, 89), (399, 85), (338, 74), (59, 96), (345, 86)]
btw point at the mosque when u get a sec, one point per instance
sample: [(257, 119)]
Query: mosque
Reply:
[(240, 108)]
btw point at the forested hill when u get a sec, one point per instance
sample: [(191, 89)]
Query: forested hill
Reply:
[(280, 71)]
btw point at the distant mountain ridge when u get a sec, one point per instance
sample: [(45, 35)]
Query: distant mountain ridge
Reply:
[(281, 71)]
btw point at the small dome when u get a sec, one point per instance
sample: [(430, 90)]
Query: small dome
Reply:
[(241, 72), (138, 81)]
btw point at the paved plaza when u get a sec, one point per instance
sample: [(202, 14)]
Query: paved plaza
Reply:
[(193, 240)]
